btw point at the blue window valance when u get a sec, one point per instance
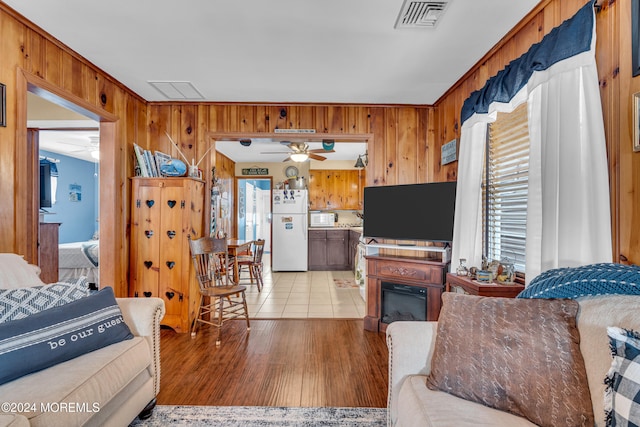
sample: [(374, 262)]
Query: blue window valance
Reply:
[(570, 38), (53, 167)]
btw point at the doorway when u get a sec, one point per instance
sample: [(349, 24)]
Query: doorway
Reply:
[(111, 177), (254, 210)]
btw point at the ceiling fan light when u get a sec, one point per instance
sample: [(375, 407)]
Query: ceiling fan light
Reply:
[(299, 157)]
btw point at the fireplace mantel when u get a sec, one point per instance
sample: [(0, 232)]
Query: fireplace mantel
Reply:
[(413, 271)]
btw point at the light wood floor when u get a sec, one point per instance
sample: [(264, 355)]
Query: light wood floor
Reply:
[(291, 362)]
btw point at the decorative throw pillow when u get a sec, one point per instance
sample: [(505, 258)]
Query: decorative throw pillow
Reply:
[(59, 334), (622, 393), (586, 280), (22, 302), (517, 355)]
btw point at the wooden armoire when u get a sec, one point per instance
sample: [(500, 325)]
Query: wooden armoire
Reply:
[(165, 212)]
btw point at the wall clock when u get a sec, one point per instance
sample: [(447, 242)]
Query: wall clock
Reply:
[(291, 171)]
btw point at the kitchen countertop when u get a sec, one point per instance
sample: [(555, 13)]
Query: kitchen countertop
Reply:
[(358, 229)]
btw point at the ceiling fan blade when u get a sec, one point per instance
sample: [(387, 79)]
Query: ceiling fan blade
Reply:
[(316, 157), (288, 158), (321, 150), (274, 152)]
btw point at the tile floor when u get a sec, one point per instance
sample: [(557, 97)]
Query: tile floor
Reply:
[(311, 294)]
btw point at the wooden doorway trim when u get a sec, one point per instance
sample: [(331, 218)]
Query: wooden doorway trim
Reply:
[(26, 207)]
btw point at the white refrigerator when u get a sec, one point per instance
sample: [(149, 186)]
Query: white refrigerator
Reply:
[(289, 228)]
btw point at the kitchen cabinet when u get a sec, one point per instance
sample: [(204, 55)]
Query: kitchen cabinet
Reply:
[(317, 250), (337, 248), (332, 249), (336, 189), (165, 213)]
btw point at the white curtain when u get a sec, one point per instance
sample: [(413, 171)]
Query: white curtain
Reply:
[(568, 212), (568, 216), (467, 226)]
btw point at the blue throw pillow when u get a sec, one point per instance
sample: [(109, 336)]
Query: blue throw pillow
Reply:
[(59, 334), (622, 393), (586, 280)]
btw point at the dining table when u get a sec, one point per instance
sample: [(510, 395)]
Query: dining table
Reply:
[(235, 247)]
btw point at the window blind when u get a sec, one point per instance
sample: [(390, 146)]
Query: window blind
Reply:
[(505, 184)]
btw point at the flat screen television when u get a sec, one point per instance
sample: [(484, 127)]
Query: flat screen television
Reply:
[(45, 185), (410, 212)]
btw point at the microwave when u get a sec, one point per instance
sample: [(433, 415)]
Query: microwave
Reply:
[(321, 219)]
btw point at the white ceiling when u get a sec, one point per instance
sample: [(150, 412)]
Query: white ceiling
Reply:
[(279, 51), (79, 143)]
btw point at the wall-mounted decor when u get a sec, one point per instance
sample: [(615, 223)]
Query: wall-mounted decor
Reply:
[(448, 153), (75, 192), (635, 37), (636, 121), (3, 105)]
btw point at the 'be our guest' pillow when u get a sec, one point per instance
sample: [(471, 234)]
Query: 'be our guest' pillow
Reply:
[(59, 334), (517, 355)]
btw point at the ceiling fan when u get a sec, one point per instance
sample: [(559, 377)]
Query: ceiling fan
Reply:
[(77, 146), (299, 152)]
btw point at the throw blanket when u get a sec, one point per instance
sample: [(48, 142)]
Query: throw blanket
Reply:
[(90, 250), (587, 280)]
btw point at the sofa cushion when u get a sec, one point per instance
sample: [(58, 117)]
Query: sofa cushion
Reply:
[(517, 355), (585, 280), (59, 334), (622, 398), (22, 302), (419, 406), (89, 381)]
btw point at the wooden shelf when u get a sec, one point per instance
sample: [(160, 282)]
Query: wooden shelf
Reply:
[(373, 249)]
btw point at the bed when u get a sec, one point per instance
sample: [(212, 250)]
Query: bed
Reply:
[(78, 259)]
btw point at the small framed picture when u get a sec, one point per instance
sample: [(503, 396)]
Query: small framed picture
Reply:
[(636, 121), (3, 105)]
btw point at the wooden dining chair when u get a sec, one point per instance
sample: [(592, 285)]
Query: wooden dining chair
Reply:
[(220, 299), (253, 263)]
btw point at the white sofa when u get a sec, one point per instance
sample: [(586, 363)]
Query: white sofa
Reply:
[(107, 387), (411, 346)]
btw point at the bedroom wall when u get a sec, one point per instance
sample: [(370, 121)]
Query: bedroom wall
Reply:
[(78, 218)]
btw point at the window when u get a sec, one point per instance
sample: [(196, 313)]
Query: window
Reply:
[(505, 188)]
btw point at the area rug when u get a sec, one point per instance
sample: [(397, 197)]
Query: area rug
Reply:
[(249, 416), (345, 283)]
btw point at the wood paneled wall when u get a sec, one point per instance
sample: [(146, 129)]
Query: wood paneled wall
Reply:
[(33, 59), (613, 56), (398, 154)]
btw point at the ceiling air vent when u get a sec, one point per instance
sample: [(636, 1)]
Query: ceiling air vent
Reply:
[(176, 90), (420, 14)]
